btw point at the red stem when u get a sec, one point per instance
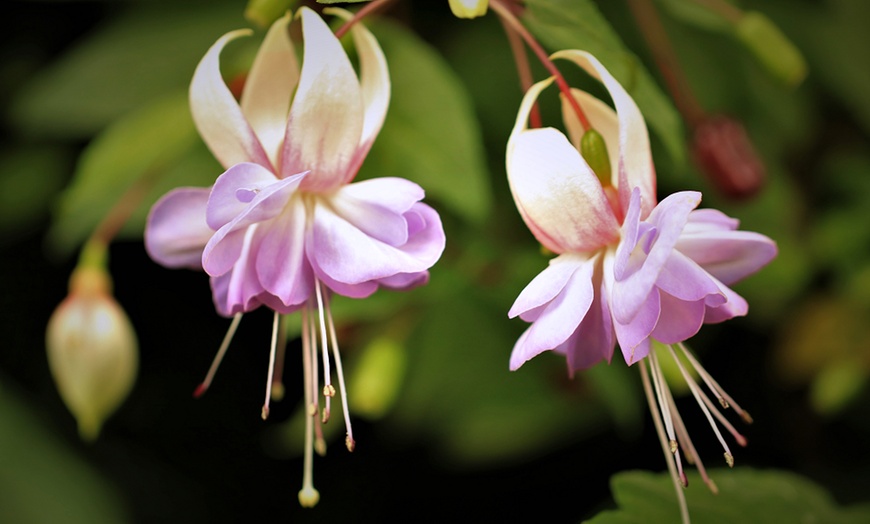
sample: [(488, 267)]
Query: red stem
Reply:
[(359, 15), (510, 19)]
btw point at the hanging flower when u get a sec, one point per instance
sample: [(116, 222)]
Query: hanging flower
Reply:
[(628, 271), (284, 226)]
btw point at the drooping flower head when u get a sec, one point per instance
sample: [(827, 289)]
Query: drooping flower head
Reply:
[(283, 226), (629, 270)]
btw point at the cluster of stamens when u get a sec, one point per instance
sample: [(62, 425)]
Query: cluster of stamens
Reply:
[(318, 330), (669, 424)]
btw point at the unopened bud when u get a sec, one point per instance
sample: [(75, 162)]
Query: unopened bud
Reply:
[(92, 350), (772, 48), (724, 153), (594, 151), (469, 8)]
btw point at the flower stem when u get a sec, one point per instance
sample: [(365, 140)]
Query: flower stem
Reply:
[(524, 71), (359, 15), (654, 33), (511, 20)]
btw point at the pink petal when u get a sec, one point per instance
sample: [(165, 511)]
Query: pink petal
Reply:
[(560, 317), (728, 255), (281, 265), (546, 285), (557, 194), (685, 280), (238, 290), (631, 291), (679, 319), (216, 114), (633, 336), (404, 281), (343, 251), (373, 205), (635, 164), (326, 117), (242, 180), (594, 339), (734, 306), (225, 247), (177, 232), (270, 83)]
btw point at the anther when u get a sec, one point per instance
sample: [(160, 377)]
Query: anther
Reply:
[(729, 459), (308, 497), (350, 443), (328, 391)]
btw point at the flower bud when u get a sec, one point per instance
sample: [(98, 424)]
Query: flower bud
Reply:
[(92, 350), (469, 8), (725, 154)]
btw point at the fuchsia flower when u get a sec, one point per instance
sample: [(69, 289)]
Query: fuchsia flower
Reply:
[(628, 270), (283, 226)]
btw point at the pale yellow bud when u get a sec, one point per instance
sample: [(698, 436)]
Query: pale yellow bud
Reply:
[(469, 8), (92, 350)]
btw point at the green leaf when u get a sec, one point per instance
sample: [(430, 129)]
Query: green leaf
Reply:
[(578, 24), (32, 177), (141, 55), (779, 56), (430, 135), (746, 495), (42, 479), (154, 142), (697, 14)]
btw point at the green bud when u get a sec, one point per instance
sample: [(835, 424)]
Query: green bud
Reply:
[(469, 8), (594, 151), (92, 350), (264, 12), (772, 48)]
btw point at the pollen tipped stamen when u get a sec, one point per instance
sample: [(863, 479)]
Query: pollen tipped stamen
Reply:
[(349, 440), (703, 401), (308, 496), (669, 458), (270, 376), (324, 344), (222, 350), (277, 375), (724, 398), (692, 456), (666, 407)]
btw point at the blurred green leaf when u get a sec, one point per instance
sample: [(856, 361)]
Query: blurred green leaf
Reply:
[(696, 14), (377, 378), (746, 495), (32, 177), (779, 56), (150, 50), (148, 143), (42, 480), (838, 383), (578, 24), (430, 135)]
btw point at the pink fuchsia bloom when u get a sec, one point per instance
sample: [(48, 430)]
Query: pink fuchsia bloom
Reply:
[(284, 226), (628, 270)]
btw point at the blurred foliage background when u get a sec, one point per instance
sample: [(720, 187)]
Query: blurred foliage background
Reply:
[(94, 98)]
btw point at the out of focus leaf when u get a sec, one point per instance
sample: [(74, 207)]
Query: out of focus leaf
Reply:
[(31, 178), (377, 378), (838, 383), (42, 480), (578, 24), (151, 50), (779, 56), (264, 12), (430, 135), (146, 143), (834, 38), (746, 495), (697, 14)]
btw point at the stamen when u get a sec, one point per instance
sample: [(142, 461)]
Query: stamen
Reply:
[(666, 409), (692, 456), (714, 386), (225, 344), (275, 321), (308, 496), (348, 441), (697, 393), (327, 385), (669, 457), (313, 402), (277, 376)]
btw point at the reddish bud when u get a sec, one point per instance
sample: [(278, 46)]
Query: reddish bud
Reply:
[(724, 153)]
